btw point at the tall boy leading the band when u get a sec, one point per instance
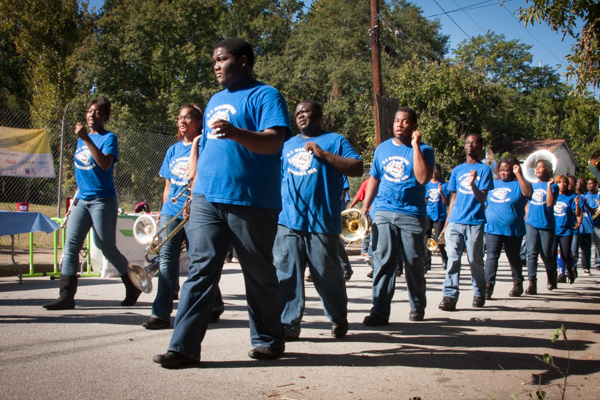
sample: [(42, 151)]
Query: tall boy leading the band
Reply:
[(314, 165), (470, 183), (402, 166), (236, 201)]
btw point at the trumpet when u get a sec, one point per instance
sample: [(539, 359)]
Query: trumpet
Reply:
[(354, 225), (432, 245), (145, 232)]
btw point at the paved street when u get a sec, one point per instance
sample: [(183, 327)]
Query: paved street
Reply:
[(100, 351)]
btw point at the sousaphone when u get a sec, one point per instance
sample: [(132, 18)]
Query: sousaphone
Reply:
[(594, 166), (531, 161)]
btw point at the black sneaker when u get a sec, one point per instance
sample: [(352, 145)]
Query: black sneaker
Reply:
[(154, 323), (416, 315), (375, 320), (265, 353), (338, 331), (478, 302), (308, 278), (216, 314), (447, 304), (174, 360), (370, 274), (561, 278)]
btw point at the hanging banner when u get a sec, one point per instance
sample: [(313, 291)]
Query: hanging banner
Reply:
[(25, 153)]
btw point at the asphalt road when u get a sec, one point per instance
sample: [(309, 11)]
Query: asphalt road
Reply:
[(100, 351)]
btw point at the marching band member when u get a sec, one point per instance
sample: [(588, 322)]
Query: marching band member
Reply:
[(437, 201), (95, 205), (236, 201), (567, 217), (591, 198), (175, 172), (470, 183), (314, 164), (539, 226), (401, 168), (505, 224)]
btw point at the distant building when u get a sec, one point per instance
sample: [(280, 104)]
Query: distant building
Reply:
[(523, 148)]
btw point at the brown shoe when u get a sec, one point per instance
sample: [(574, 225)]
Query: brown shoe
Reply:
[(532, 289), (517, 289)]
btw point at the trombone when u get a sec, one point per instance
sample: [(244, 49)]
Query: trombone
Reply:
[(145, 232)]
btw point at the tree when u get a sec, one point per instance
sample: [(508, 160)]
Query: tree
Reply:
[(564, 16)]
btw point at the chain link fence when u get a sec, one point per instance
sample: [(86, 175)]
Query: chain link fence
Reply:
[(136, 174)]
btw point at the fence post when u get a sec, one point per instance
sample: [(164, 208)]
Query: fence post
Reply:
[(60, 168)]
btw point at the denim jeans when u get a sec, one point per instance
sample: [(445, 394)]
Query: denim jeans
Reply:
[(564, 244), (596, 241), (343, 259), (512, 248), (102, 215), (438, 226), (212, 229), (585, 244), (293, 251), (365, 244), (457, 237), (394, 235), (540, 242)]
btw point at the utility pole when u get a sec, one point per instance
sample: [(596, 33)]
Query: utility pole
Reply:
[(376, 64)]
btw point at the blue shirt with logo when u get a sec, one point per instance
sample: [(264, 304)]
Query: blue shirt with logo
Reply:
[(505, 211), (399, 190), (175, 170), (539, 215), (92, 181), (590, 199), (228, 172), (311, 188), (564, 215), (436, 208), (467, 210)]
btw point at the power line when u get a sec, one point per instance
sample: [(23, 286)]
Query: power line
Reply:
[(483, 4), (451, 19), (472, 20)]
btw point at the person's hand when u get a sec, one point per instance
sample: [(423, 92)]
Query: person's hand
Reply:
[(576, 227), (314, 149), (158, 219), (81, 132), (473, 177), (186, 212), (577, 200), (550, 182), (223, 129), (440, 187), (516, 169), (416, 138)]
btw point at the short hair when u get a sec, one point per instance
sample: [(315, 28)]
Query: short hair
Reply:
[(102, 103), (412, 113), (593, 179), (313, 104), (237, 47), (510, 160), (560, 177), (438, 166), (477, 135)]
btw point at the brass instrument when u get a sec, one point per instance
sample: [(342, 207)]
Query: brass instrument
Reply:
[(432, 245), (490, 161), (145, 232), (531, 161), (594, 166), (354, 225)]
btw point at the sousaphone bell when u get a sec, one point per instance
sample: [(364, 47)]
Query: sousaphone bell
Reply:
[(432, 245), (531, 161), (594, 166), (354, 225)]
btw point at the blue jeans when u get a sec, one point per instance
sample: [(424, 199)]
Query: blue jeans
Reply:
[(596, 241), (394, 235), (102, 215), (512, 248), (457, 237), (292, 251), (212, 230), (343, 259), (540, 242)]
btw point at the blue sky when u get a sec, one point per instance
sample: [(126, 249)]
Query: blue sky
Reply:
[(479, 16)]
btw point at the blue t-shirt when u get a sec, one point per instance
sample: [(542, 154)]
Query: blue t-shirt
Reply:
[(311, 188), (564, 215), (399, 190), (467, 210), (505, 211), (539, 215), (228, 172), (175, 170), (92, 181), (436, 209), (591, 201), (346, 189)]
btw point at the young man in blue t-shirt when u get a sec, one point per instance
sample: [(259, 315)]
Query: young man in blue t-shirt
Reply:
[(437, 201), (591, 198), (470, 183), (402, 166), (236, 201), (314, 165)]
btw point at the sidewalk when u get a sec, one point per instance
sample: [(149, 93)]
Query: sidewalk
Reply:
[(100, 351)]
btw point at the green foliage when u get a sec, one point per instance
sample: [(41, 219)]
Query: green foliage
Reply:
[(566, 16)]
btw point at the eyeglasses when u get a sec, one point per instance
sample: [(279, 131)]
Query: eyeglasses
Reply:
[(187, 118)]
